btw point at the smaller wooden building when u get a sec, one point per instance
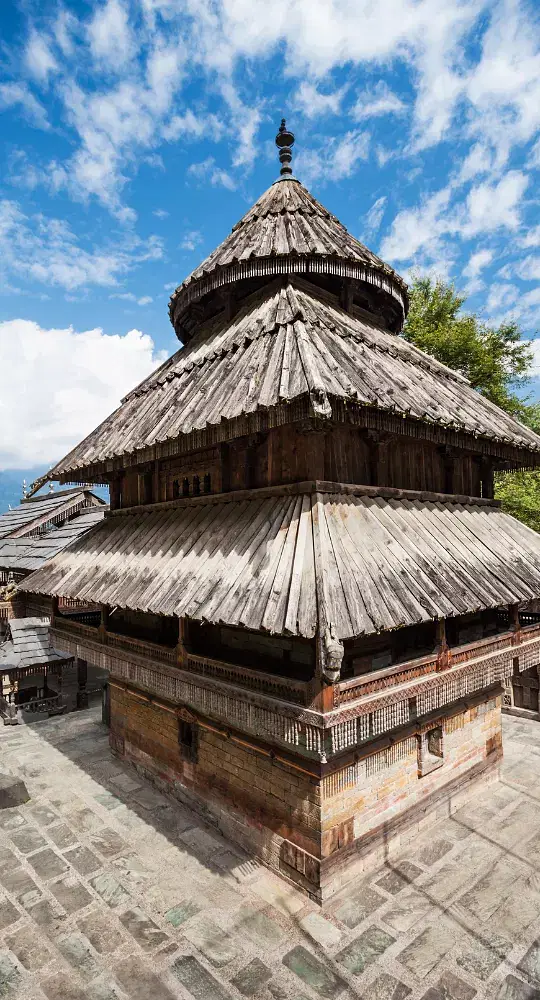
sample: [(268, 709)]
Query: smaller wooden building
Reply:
[(30, 670)]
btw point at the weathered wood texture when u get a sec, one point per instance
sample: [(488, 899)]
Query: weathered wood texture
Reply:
[(288, 231), (290, 564), (291, 344)]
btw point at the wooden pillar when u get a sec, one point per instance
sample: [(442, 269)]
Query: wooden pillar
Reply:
[(443, 653), (54, 610), (115, 492), (103, 623), (183, 639), (486, 478), (378, 457), (155, 487), (225, 467), (515, 627), (82, 679), (449, 467)]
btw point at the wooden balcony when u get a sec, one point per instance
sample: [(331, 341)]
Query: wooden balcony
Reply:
[(402, 674), (283, 688)]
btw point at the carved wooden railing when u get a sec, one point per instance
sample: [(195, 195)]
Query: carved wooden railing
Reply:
[(76, 627), (285, 688), (141, 647), (43, 706), (392, 677), (5, 608), (378, 680)]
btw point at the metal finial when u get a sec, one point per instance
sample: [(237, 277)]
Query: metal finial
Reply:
[(51, 487), (24, 489), (285, 142)]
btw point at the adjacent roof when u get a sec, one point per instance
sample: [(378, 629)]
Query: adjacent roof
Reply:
[(282, 563), (288, 225), (29, 553), (28, 644), (34, 515), (284, 344)]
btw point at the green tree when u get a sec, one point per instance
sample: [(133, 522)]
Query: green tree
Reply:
[(497, 363)]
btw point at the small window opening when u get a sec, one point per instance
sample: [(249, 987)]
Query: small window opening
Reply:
[(176, 489), (430, 751), (207, 483), (188, 740), (196, 486), (185, 487)]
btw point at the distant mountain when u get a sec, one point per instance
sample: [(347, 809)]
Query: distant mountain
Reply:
[(11, 481)]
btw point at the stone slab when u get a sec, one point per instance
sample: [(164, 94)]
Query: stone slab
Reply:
[(386, 987), (359, 906), (200, 983), (252, 978), (365, 949), (320, 978), (13, 792)]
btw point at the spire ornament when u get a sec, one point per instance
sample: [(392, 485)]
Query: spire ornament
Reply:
[(285, 142)]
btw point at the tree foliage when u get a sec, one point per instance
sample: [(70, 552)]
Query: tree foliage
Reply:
[(496, 361)]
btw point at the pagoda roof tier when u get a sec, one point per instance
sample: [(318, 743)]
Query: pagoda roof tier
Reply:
[(286, 231), (28, 644), (26, 554), (290, 343), (358, 560), (35, 514)]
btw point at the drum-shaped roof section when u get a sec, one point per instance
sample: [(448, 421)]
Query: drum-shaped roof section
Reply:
[(288, 231)]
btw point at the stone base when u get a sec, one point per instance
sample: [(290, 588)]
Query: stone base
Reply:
[(318, 832), (13, 792), (521, 713)]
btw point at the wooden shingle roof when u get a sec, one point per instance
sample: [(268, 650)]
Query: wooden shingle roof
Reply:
[(28, 644), (33, 515), (286, 344), (287, 231), (26, 554), (363, 560)]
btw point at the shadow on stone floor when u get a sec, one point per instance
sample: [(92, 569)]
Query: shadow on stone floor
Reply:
[(487, 834)]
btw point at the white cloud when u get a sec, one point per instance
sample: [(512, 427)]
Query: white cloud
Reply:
[(486, 208), (46, 251), (531, 238), (160, 213), (528, 269), (380, 100), (338, 158), (374, 216), (57, 385), (533, 162), (191, 240), (171, 286), (145, 300), (479, 160), (311, 102), (191, 126), (39, 58), (490, 206), (18, 94), (207, 170), (418, 228), (477, 262), (110, 35)]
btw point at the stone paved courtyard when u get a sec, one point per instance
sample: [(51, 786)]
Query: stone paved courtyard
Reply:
[(110, 890)]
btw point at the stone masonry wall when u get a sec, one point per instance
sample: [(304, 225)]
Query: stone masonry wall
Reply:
[(317, 833), (403, 781), (259, 802)]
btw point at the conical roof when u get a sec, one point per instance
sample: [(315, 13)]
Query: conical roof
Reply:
[(288, 231)]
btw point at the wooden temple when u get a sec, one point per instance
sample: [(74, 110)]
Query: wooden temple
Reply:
[(310, 602)]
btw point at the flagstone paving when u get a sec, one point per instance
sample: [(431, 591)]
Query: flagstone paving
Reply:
[(111, 891)]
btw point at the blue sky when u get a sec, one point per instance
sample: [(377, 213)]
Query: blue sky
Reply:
[(137, 132)]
